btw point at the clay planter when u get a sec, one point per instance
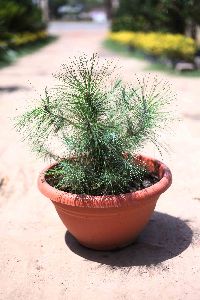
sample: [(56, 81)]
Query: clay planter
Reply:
[(112, 221)]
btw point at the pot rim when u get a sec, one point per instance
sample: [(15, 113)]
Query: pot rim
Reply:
[(108, 201)]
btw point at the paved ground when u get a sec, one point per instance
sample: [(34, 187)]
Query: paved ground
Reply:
[(39, 259)]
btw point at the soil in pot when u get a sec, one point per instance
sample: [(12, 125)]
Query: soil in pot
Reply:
[(148, 180)]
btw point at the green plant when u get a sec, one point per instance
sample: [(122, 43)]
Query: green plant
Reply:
[(20, 16), (167, 15), (174, 46), (129, 23), (93, 126), (22, 44)]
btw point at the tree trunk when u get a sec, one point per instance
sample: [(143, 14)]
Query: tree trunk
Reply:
[(44, 5), (108, 6), (193, 31)]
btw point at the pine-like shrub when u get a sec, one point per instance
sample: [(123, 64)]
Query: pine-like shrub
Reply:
[(92, 125)]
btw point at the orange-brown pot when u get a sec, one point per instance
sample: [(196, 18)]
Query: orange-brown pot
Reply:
[(110, 221)]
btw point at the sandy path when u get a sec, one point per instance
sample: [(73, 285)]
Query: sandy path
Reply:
[(38, 259)]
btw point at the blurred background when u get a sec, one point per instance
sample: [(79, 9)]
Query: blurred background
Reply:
[(161, 37), (166, 32)]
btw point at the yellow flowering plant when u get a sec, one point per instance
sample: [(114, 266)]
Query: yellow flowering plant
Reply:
[(20, 39), (157, 43)]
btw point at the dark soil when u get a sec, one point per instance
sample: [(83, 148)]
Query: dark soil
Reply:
[(148, 180)]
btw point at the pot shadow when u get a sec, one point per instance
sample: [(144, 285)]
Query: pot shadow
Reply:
[(163, 238)]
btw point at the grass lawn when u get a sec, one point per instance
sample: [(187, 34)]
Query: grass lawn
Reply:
[(154, 66), (162, 68)]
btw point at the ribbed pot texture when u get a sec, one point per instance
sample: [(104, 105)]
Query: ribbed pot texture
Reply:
[(110, 221)]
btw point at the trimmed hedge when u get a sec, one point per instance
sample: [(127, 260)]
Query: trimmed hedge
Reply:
[(14, 41), (173, 46)]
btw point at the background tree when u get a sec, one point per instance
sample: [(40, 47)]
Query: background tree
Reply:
[(153, 15), (185, 12), (54, 5), (20, 16)]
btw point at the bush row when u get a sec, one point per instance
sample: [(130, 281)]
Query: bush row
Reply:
[(16, 40), (173, 46)]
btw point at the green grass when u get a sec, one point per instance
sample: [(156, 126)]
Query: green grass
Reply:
[(153, 66), (123, 50), (10, 56), (158, 67)]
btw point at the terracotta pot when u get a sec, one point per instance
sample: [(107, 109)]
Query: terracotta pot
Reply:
[(110, 221)]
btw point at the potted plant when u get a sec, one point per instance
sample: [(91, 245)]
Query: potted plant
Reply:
[(92, 126)]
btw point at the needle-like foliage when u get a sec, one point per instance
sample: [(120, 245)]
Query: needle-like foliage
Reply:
[(88, 122)]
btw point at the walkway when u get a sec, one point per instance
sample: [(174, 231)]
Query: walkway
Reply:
[(38, 259)]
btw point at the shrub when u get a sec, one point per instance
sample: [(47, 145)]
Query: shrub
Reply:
[(20, 16), (92, 125), (129, 23), (20, 39), (175, 46), (167, 15), (122, 37), (12, 44), (26, 38)]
